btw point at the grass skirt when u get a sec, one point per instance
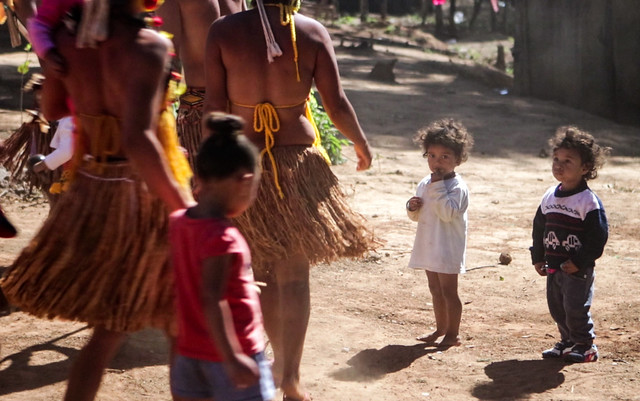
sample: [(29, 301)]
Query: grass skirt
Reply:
[(189, 123), (27, 140), (101, 256), (313, 219)]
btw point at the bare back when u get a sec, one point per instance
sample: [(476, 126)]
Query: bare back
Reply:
[(125, 77), (238, 71), (102, 81), (239, 76), (188, 21)]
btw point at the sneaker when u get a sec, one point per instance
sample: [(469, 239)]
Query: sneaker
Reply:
[(582, 353), (561, 348)]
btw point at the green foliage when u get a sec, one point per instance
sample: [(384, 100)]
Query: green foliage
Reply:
[(23, 68), (330, 136), (348, 20), (391, 29)]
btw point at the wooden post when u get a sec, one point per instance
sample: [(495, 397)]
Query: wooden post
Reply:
[(364, 10), (426, 6), (384, 7), (453, 30), (500, 63), (439, 21)]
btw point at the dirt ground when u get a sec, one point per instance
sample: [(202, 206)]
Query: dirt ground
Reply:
[(366, 313)]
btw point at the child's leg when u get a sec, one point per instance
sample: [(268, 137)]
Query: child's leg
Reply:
[(578, 295), (86, 372), (555, 302), (453, 305), (439, 309)]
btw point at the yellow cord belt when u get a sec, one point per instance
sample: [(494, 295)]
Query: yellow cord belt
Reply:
[(265, 118)]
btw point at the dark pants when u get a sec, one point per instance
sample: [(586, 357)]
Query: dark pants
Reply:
[(569, 298)]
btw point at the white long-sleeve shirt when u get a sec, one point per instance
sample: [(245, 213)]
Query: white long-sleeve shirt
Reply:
[(441, 236), (62, 142)]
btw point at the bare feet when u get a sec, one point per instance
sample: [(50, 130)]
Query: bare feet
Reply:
[(429, 338), (450, 342)]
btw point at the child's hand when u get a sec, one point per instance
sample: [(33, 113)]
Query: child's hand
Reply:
[(414, 204), (540, 268), (54, 63), (439, 175), (39, 167), (243, 371), (569, 267)]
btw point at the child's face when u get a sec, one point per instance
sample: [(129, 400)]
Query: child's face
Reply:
[(245, 189), (567, 167), (441, 159)]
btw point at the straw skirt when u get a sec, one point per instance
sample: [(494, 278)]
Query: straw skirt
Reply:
[(312, 219), (101, 256)]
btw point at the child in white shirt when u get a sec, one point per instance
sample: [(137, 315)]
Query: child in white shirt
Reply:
[(440, 208)]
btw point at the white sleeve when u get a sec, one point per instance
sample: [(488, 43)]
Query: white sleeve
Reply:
[(63, 143)]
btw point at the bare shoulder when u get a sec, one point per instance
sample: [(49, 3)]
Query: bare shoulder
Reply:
[(148, 52), (152, 43), (227, 22), (312, 28)]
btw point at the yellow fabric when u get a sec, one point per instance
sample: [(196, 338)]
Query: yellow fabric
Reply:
[(168, 137), (317, 143), (286, 18), (63, 184)]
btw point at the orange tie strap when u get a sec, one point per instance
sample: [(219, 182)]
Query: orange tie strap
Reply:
[(286, 18), (265, 118)]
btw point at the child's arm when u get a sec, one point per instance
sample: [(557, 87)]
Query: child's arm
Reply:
[(537, 249), (215, 274), (64, 145), (593, 238), (446, 204)]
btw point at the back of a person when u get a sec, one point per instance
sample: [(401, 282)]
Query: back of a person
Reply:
[(98, 78), (251, 79)]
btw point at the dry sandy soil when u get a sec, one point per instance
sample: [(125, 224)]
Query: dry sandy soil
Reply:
[(366, 313)]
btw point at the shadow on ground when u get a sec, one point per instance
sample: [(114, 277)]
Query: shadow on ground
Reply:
[(372, 364), (19, 373), (514, 380)]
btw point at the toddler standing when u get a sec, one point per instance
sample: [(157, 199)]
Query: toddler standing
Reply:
[(220, 342), (440, 208), (569, 233)]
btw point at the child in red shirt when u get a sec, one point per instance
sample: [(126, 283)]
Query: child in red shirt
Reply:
[(221, 338)]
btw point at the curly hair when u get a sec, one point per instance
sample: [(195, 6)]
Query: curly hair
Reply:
[(448, 133), (591, 154)]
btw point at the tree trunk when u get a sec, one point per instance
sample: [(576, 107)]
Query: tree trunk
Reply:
[(439, 21), (384, 7), (453, 30), (364, 10), (426, 7)]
